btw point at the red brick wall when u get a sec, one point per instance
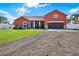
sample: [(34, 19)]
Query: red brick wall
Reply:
[(49, 17), (19, 21)]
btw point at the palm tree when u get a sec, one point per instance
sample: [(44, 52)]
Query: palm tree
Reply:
[(74, 18)]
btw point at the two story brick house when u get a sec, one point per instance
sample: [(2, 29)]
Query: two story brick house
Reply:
[(51, 20)]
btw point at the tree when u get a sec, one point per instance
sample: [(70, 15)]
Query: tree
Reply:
[(3, 19), (75, 18)]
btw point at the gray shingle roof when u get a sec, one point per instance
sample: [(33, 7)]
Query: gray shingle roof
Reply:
[(34, 17)]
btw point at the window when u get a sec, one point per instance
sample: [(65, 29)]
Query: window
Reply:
[(25, 24), (55, 15)]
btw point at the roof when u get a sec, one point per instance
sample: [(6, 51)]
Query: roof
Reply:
[(60, 12), (40, 18), (21, 17), (57, 11), (34, 17)]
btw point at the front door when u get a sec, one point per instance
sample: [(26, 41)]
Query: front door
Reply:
[(37, 24), (31, 24)]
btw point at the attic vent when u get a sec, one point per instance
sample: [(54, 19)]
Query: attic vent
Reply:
[(55, 15)]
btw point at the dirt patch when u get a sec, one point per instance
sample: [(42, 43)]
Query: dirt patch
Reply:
[(51, 43)]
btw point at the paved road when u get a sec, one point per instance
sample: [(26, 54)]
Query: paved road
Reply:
[(51, 43)]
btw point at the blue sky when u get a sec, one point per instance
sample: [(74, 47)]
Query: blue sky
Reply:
[(14, 10)]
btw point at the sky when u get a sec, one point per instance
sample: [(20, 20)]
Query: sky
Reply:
[(15, 10)]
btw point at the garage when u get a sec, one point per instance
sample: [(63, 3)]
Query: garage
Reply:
[(55, 25), (55, 20)]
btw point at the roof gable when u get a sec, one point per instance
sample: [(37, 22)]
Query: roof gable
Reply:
[(21, 17), (56, 11)]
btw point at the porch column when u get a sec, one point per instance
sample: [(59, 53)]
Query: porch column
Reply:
[(46, 25), (29, 25), (34, 24), (39, 24)]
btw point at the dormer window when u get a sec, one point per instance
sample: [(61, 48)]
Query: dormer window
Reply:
[(55, 15)]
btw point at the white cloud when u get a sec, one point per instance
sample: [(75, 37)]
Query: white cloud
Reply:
[(3, 12), (42, 5), (34, 4), (68, 16), (74, 10), (10, 17), (22, 10), (7, 15), (30, 3)]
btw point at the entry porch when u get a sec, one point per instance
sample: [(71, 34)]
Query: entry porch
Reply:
[(36, 24)]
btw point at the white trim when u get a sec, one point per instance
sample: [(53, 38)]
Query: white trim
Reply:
[(33, 24), (36, 19), (55, 22), (39, 23), (29, 25)]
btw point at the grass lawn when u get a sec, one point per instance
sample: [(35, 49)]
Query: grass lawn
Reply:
[(76, 30), (7, 36)]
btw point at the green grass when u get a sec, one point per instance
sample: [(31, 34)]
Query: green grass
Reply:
[(7, 36), (76, 30)]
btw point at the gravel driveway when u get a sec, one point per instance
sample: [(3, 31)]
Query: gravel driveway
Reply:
[(50, 43)]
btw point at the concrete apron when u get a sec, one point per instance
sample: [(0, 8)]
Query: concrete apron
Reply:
[(60, 30)]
